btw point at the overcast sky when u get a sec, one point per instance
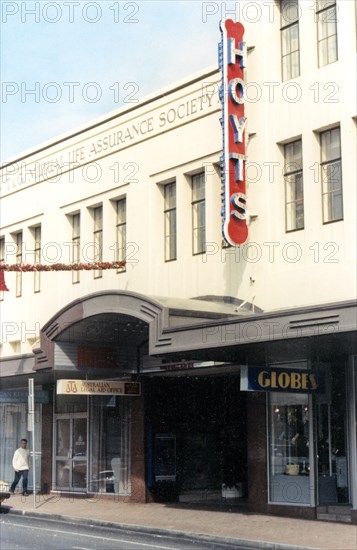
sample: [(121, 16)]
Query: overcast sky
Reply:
[(66, 62)]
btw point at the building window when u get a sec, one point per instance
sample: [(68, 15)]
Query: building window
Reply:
[(326, 31), (37, 258), (18, 240), (289, 448), (331, 175), (290, 48), (76, 245), (2, 260), (98, 239), (110, 423), (294, 194), (121, 232), (170, 221), (198, 214)]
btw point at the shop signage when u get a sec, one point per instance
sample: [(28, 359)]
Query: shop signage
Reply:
[(21, 396), (280, 380), (181, 365), (232, 61), (97, 387)]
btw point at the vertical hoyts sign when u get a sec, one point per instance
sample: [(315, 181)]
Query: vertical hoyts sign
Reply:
[(232, 61)]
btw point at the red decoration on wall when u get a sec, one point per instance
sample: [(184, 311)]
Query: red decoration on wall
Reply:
[(2, 281), (55, 267)]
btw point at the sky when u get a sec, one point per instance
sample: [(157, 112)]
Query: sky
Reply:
[(67, 62)]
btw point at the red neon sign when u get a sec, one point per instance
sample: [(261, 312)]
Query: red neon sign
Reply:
[(233, 55)]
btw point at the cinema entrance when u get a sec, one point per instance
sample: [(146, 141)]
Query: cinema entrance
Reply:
[(196, 437)]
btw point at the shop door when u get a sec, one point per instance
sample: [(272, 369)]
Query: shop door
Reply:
[(71, 452), (332, 443)]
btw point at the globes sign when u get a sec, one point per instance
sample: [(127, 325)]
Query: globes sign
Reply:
[(232, 61)]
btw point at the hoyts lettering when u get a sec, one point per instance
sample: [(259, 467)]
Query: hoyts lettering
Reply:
[(283, 380), (233, 53)]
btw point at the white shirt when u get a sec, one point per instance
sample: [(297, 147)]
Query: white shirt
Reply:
[(20, 460)]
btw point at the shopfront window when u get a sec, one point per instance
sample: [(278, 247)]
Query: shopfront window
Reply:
[(109, 470), (289, 448), (13, 427), (92, 444), (331, 439)]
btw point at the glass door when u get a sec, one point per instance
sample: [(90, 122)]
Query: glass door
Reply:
[(331, 441), (71, 452)]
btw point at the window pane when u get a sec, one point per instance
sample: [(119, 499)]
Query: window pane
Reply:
[(170, 221), (327, 36), (332, 191), (291, 66), (76, 246), (121, 211), (293, 156), (37, 258), (330, 145), (321, 4), (332, 48), (170, 195), (110, 443), (289, 448), (121, 230), (75, 225), (323, 26), (170, 235), (331, 177), (199, 227), (98, 218), (19, 261), (290, 39), (289, 10), (294, 195), (98, 239), (2, 259), (198, 213), (198, 187)]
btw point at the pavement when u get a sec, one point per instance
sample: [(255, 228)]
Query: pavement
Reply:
[(229, 524)]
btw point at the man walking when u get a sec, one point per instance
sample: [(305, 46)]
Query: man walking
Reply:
[(20, 463)]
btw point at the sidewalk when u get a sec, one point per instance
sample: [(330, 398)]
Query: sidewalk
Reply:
[(243, 526)]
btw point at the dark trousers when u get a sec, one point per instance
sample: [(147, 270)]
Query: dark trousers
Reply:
[(24, 474)]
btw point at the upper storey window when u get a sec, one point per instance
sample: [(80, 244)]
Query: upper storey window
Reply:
[(198, 214), (331, 175), (170, 221), (290, 45), (326, 31)]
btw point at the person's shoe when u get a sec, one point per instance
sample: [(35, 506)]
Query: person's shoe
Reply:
[(26, 494), (11, 492)]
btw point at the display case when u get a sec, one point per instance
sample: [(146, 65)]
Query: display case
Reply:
[(289, 448)]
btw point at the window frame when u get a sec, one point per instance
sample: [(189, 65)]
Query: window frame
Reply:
[(285, 28), (198, 204), (322, 12), (19, 245), (76, 245), (2, 260), (37, 257), (98, 238), (323, 164), (121, 233), (170, 218), (290, 174)]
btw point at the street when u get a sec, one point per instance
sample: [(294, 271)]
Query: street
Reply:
[(23, 533)]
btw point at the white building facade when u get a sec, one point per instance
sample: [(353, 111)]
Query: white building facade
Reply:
[(190, 316)]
